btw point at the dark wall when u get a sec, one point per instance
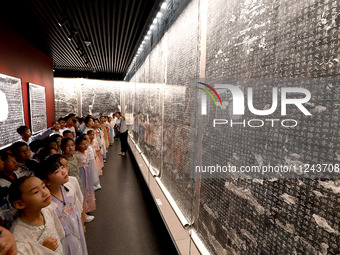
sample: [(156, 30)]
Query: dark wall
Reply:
[(21, 59)]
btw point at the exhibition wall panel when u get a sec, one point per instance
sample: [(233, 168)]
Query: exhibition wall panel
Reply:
[(269, 47)]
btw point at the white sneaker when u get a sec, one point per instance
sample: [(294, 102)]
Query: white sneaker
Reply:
[(98, 187), (89, 218), (120, 153), (123, 153)]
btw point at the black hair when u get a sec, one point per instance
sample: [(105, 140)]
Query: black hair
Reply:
[(67, 118), (44, 153), (50, 140), (49, 166), (61, 119), (14, 189), (54, 137), (87, 119), (80, 139), (71, 115), (81, 119), (15, 146), (22, 129), (89, 131), (64, 142), (36, 145), (74, 121), (66, 132), (4, 155)]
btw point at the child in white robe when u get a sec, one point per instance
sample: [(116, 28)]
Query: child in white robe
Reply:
[(38, 223)]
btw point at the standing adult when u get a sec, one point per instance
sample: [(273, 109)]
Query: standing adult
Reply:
[(121, 123)]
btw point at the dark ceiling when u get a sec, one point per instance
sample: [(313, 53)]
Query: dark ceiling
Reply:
[(114, 29)]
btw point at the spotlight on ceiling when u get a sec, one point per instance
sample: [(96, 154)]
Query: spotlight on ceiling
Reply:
[(87, 43), (71, 36), (62, 22)]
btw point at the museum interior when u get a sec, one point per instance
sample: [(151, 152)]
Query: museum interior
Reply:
[(232, 109)]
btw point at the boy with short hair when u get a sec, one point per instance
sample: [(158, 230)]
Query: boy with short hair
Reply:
[(26, 135), (69, 126), (22, 154), (67, 134), (62, 125)]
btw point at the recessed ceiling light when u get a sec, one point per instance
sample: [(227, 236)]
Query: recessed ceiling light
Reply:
[(87, 43)]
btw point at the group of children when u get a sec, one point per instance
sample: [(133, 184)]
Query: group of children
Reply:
[(48, 183)]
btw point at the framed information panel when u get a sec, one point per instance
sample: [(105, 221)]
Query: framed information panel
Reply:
[(37, 101), (11, 109)]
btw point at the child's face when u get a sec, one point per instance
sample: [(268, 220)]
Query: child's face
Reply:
[(90, 123), (58, 177), (82, 146), (10, 164), (96, 124), (69, 147), (23, 153), (57, 126), (7, 242), (62, 123), (34, 195), (53, 145), (69, 122), (65, 164), (102, 119), (91, 136), (87, 139), (53, 151), (27, 133), (68, 135)]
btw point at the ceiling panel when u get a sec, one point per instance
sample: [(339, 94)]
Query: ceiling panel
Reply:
[(95, 38)]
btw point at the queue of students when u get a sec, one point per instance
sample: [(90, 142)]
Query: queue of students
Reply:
[(48, 183)]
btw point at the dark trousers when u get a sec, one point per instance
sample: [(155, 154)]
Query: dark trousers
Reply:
[(123, 141)]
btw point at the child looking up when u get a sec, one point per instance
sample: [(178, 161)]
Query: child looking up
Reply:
[(65, 202), (8, 165), (105, 128), (62, 125), (100, 138), (73, 183), (37, 222), (88, 124), (57, 127), (91, 158), (22, 154), (67, 134), (111, 130), (57, 139), (68, 147), (26, 135), (94, 144), (69, 126), (85, 176)]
